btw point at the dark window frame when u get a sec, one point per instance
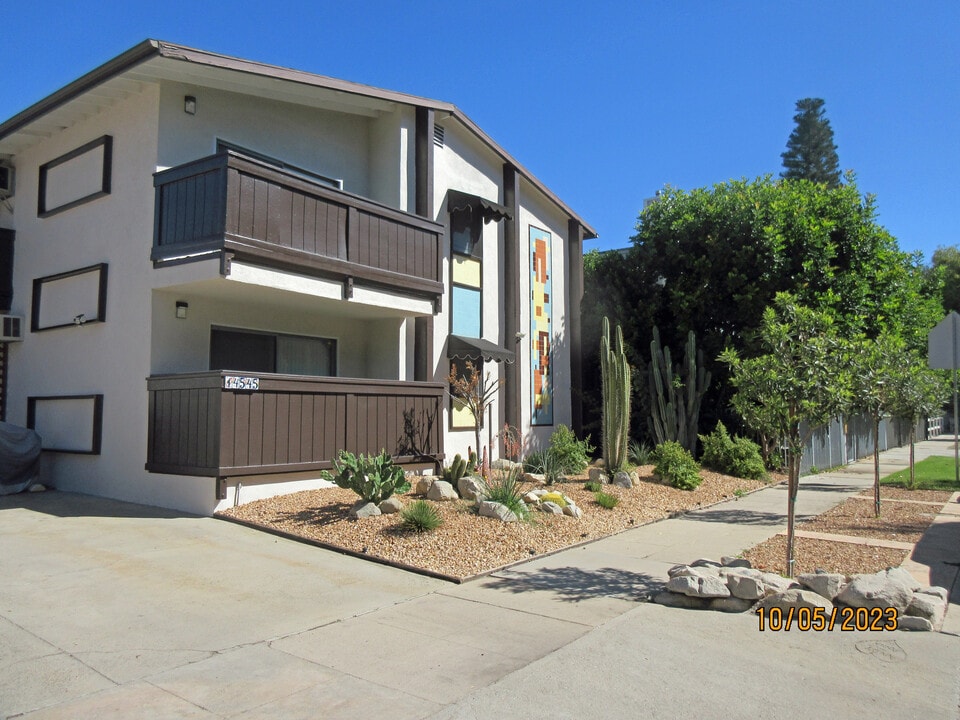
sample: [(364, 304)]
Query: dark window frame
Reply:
[(105, 181), (101, 297), (96, 436)]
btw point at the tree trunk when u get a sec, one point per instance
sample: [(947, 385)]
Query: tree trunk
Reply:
[(913, 442), (793, 488), (876, 466)]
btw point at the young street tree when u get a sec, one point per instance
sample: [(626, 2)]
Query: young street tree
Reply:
[(801, 382), (875, 363), (916, 392), (811, 153)]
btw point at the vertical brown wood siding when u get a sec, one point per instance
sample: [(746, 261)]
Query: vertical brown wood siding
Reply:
[(290, 424), (230, 198)]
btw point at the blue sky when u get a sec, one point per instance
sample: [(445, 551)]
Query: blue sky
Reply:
[(604, 101)]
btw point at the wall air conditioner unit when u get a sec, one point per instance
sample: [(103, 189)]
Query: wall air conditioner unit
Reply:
[(12, 328), (6, 180)]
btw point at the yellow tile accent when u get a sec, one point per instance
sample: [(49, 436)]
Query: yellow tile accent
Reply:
[(462, 417), (466, 271)]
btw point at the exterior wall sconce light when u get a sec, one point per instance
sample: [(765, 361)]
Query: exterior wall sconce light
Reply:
[(182, 310), (189, 104)]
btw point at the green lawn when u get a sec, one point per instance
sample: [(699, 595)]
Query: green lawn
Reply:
[(934, 473)]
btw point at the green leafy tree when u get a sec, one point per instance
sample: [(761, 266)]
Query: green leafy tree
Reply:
[(710, 260), (946, 267), (874, 364), (801, 380), (916, 392), (811, 153)]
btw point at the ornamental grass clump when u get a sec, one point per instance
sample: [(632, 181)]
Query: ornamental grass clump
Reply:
[(676, 466), (606, 500), (420, 516), (506, 488), (593, 486)]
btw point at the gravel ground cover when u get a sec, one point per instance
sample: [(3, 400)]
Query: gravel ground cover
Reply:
[(899, 521), (466, 544)]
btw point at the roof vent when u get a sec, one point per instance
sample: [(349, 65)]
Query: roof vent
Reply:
[(438, 135)]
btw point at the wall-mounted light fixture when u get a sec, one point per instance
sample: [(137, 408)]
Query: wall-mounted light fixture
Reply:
[(189, 104), (182, 310)]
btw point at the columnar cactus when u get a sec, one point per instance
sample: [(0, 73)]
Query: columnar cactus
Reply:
[(616, 399), (675, 402)]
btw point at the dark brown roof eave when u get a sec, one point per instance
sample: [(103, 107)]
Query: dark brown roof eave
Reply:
[(133, 56), (151, 48)]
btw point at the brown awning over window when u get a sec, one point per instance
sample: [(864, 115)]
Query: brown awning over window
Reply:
[(487, 209), (462, 348)]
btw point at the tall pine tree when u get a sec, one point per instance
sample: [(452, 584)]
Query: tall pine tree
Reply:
[(811, 153)]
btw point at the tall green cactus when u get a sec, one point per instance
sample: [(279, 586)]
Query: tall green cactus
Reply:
[(675, 400), (616, 399)]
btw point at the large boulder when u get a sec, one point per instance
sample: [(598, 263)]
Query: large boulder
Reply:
[(471, 488), (745, 587), (622, 479), (551, 508), (573, 511), (391, 505), (827, 585), (797, 598), (930, 607), (909, 622), (441, 490), (880, 590), (699, 585), (677, 600), (597, 475), (731, 604), (364, 509), (774, 584), (496, 510), (422, 486)]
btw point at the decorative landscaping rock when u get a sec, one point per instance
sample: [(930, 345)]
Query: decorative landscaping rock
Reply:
[(774, 583), (364, 510), (930, 607), (880, 590), (730, 604), (744, 587), (901, 575), (705, 562), (596, 474), (795, 597), (708, 586), (470, 488), (705, 584), (734, 562), (677, 600), (504, 464), (622, 479), (442, 490), (908, 622), (536, 478), (551, 507), (573, 511), (531, 498), (392, 504), (496, 510), (423, 484), (37, 487), (826, 585)]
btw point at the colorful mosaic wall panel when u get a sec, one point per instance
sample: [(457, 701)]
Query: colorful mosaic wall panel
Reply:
[(541, 329)]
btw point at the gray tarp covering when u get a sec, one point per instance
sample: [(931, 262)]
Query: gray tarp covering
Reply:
[(19, 458)]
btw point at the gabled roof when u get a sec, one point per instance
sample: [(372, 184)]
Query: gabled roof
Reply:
[(154, 60)]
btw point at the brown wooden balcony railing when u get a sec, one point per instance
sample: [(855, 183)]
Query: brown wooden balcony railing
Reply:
[(245, 208), (289, 423)]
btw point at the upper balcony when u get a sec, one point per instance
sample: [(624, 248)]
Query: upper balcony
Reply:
[(240, 207)]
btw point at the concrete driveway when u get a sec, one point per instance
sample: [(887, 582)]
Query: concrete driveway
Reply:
[(112, 610)]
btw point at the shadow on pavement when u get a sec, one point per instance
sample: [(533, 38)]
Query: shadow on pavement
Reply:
[(573, 584), (939, 549), (68, 504), (740, 517)]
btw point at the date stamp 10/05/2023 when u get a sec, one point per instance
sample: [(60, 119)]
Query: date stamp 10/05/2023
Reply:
[(846, 619)]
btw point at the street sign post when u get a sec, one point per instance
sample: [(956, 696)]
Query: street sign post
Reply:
[(943, 353)]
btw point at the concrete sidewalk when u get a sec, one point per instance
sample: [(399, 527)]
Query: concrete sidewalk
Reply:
[(111, 610)]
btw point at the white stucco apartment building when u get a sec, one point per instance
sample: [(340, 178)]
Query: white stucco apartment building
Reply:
[(227, 271)]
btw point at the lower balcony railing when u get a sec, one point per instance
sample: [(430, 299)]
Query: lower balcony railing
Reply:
[(222, 423)]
